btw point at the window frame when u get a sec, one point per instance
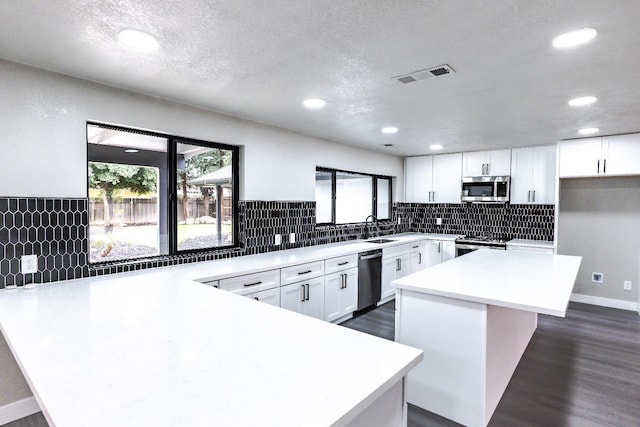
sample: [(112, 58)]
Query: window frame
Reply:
[(171, 190), (374, 198)]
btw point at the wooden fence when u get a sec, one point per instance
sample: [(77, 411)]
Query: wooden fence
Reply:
[(132, 211)]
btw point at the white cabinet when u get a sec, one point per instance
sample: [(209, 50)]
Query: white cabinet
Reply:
[(396, 263), (533, 175), (251, 283), (479, 163), (270, 296), (340, 294), (438, 251), (306, 297), (433, 179), (610, 155)]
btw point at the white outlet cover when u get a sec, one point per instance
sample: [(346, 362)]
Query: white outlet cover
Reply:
[(29, 264), (278, 239), (292, 238), (438, 221), (627, 285)]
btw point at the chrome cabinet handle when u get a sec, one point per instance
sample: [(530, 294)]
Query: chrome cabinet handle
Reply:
[(398, 265), (598, 165), (533, 198), (604, 166), (304, 293), (252, 284), (419, 257), (439, 247), (529, 196), (304, 272), (308, 292), (343, 263), (434, 196)]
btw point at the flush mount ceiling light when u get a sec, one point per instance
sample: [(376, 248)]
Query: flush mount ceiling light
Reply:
[(131, 150), (588, 131), (389, 129), (314, 103), (137, 39), (436, 146), (574, 38), (584, 100)]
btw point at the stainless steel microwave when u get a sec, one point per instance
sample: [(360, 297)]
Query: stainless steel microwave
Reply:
[(486, 189)]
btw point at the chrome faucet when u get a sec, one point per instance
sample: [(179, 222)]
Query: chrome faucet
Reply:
[(366, 228)]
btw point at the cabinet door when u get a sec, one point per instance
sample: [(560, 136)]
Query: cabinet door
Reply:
[(415, 257), (621, 154), (433, 250), (389, 266), (332, 294), (270, 296), (314, 304), (405, 266), (292, 296), (499, 163), (544, 176), (349, 300), (473, 163), (418, 179), (447, 178), (448, 250), (580, 157), (522, 166)]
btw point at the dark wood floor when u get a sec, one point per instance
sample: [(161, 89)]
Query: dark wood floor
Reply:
[(583, 370)]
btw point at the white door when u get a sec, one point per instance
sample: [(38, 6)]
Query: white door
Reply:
[(544, 176), (473, 163), (622, 154), (418, 179), (314, 304), (522, 167), (292, 296), (581, 157), (332, 295), (349, 300), (447, 178), (499, 163), (269, 296)]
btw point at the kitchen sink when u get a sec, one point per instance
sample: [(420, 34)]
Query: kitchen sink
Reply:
[(380, 241)]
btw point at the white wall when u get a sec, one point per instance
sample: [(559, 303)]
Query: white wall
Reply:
[(600, 220), (43, 139)]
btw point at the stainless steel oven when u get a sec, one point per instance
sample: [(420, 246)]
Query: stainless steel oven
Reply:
[(467, 244)]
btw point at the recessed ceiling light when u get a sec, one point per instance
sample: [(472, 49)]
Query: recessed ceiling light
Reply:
[(584, 100), (131, 150), (137, 39), (314, 103), (588, 131), (574, 38), (389, 129), (436, 146)]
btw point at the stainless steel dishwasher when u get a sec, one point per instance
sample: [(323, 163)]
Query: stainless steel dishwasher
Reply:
[(369, 278)]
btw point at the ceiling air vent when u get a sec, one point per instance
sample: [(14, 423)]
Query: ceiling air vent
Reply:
[(428, 73)]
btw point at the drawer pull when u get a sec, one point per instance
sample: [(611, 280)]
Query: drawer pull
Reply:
[(252, 284), (304, 272), (343, 263)]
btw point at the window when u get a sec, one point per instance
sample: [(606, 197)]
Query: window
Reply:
[(347, 197), (152, 194)]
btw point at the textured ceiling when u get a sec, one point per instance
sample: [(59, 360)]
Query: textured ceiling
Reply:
[(259, 59)]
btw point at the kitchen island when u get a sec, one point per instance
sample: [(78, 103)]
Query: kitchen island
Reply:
[(473, 317), (156, 348)]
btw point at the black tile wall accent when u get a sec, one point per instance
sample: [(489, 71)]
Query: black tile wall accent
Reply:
[(54, 229), (499, 220)]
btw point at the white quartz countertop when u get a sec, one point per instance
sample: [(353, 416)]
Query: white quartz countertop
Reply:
[(530, 243), (157, 349), (528, 281)]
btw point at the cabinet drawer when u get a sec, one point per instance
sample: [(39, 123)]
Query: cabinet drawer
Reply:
[(340, 263), (547, 250), (300, 272), (250, 283), (396, 250)]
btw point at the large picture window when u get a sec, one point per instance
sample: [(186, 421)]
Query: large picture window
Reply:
[(344, 197), (152, 194)]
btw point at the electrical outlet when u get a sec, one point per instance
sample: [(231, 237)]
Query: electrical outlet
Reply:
[(399, 220), (438, 221), (278, 239), (29, 264), (292, 237), (597, 278), (627, 285)]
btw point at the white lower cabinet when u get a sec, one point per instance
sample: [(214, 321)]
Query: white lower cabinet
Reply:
[(340, 294), (270, 296), (306, 297), (437, 251), (396, 263)]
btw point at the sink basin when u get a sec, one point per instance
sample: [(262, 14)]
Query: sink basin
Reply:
[(379, 241)]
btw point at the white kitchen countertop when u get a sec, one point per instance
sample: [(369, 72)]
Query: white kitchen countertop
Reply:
[(155, 348), (529, 281), (531, 243)]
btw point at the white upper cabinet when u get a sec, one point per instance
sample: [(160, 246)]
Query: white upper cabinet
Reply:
[(492, 163), (533, 175), (609, 155), (433, 179), (418, 174)]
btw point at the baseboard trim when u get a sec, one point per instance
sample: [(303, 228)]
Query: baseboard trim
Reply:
[(19, 409), (605, 302)]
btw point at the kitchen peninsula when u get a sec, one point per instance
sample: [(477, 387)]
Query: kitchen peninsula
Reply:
[(156, 348), (473, 317)]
